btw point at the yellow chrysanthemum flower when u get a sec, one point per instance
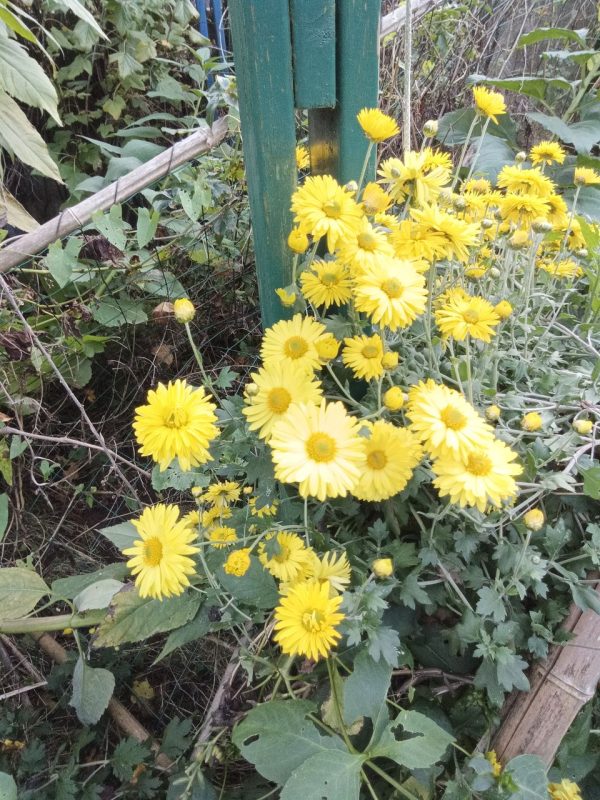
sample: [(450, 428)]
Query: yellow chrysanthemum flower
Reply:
[(566, 268), (184, 310), (517, 180), (484, 477), (222, 536), (413, 178), (288, 299), (327, 283), (444, 421), (565, 790), (476, 272), (412, 241), (558, 213), (222, 493), (391, 292), (192, 520), (383, 568), (238, 562), (437, 158), (503, 309), (448, 236), (293, 342), (583, 426), (214, 514), (390, 360), (364, 356), (279, 385), (302, 157), (493, 413), (327, 347), (376, 125), (319, 448), (477, 186), (332, 568), (306, 620), (177, 422), (584, 176), (363, 246), (160, 558), (391, 454), (471, 316), (324, 208), (393, 399), (547, 153), (284, 555), (375, 200), (488, 103), (522, 209), (532, 421), (495, 764)]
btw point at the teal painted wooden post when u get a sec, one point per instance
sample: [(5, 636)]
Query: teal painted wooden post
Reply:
[(313, 43), (262, 44), (337, 144)]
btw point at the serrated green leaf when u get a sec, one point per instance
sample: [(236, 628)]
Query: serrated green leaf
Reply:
[(490, 604), (146, 226), (92, 690), (24, 79), (591, 482), (21, 139), (61, 261), (131, 618), (126, 757), (417, 752), (81, 11), (97, 595), (112, 226), (277, 738), (256, 588), (190, 632), (586, 598), (121, 535), (116, 311), (176, 738), (326, 777), (21, 590)]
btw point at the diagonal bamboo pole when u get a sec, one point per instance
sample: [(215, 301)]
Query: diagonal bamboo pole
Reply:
[(22, 248)]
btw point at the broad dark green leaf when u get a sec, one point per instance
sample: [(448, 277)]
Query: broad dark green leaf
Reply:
[(543, 34), (92, 690), (420, 751), (21, 589), (325, 776), (121, 535), (529, 774)]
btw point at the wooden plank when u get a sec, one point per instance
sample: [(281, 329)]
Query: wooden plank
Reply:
[(263, 57), (337, 144), (313, 47)]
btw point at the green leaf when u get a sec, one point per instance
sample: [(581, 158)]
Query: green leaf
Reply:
[(68, 588), (493, 155), (365, 691), (256, 588), (8, 787), (326, 777), (586, 598), (176, 738), (529, 85), (61, 261), (529, 775), (131, 618), (23, 78), (21, 139), (92, 690), (190, 632), (583, 135), (97, 595), (277, 738), (14, 23), (490, 604), (81, 11), (114, 106), (122, 535), (112, 226), (21, 590), (3, 514), (417, 752), (127, 755), (116, 311), (146, 226), (591, 482), (542, 34)]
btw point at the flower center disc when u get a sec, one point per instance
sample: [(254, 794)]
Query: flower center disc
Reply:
[(295, 347), (283, 554), (312, 621), (321, 447), (332, 209), (370, 351), (176, 418), (453, 418), (366, 241), (470, 316), (329, 278), (393, 288), (377, 459), (279, 400), (153, 551), (479, 464)]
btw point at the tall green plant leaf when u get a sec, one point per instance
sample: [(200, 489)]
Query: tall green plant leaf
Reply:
[(23, 78), (20, 138)]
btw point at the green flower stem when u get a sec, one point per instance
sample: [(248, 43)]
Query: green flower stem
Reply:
[(479, 146), (294, 268), (463, 152), (372, 791), (364, 167), (205, 378), (388, 778), (571, 217), (333, 674), (55, 623), (469, 373)]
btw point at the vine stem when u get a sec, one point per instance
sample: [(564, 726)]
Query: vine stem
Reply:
[(388, 778), (332, 672), (55, 623)]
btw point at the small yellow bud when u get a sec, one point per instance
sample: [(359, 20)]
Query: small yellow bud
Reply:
[(430, 128), (521, 157), (531, 422), (327, 347), (583, 426), (383, 567), (247, 490), (541, 225), (393, 399), (503, 309), (184, 310), (486, 223), (534, 519), (297, 241), (390, 360), (459, 203), (67, 631), (495, 764), (251, 390), (519, 239), (197, 491), (287, 298), (492, 413)]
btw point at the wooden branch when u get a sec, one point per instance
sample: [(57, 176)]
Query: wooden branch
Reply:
[(393, 21), (536, 721), (18, 249)]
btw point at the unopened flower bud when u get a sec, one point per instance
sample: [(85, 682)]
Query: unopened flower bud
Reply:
[(583, 426), (541, 225), (327, 347), (351, 186), (430, 128), (582, 253), (531, 422), (494, 272), (503, 309), (383, 567), (390, 360), (534, 519), (459, 203), (297, 241), (393, 399), (252, 390), (486, 223), (184, 310), (492, 413), (521, 157), (519, 239), (197, 491)]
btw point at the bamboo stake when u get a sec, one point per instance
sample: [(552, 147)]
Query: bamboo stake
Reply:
[(393, 21), (22, 248), (536, 721)]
